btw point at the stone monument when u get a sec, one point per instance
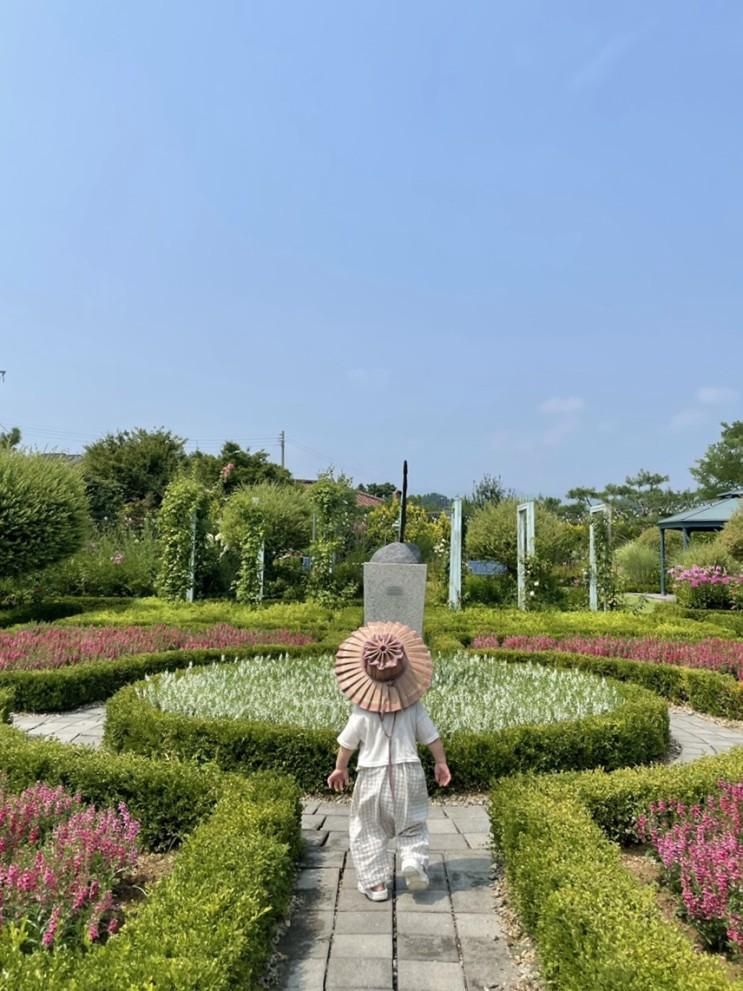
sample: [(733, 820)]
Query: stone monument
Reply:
[(395, 578)]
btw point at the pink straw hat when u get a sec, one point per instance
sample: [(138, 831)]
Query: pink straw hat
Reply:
[(384, 667)]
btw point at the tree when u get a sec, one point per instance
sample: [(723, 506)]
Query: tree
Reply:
[(382, 490), (720, 469), (286, 515), (382, 528), (10, 439), (235, 466), (731, 537), (130, 470), (432, 502), (43, 512), (489, 490), (491, 535)]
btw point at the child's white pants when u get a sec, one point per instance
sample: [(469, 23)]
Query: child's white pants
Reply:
[(379, 813)]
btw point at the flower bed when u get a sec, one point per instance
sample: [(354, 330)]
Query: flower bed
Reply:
[(59, 864), (267, 719), (48, 646), (209, 923), (594, 925), (701, 850), (708, 587), (468, 693), (725, 656)]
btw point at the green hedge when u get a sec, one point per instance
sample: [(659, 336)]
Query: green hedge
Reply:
[(55, 609), (634, 732), (208, 925), (705, 691), (594, 925), (7, 704), (59, 689)]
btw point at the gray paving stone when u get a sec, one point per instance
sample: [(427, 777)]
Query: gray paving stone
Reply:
[(483, 925), (486, 975), (314, 837), (303, 975), (437, 826), (436, 812), (446, 842), (476, 900), (419, 946), (317, 877), (338, 841), (425, 923), (316, 899), (423, 901), (84, 740), (309, 806), (359, 972), (478, 841), (333, 808), (336, 824), (320, 856), (418, 975), (351, 900), (363, 922), (312, 821), (363, 945)]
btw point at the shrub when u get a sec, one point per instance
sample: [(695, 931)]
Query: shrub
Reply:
[(709, 587), (731, 538), (491, 535), (635, 731), (209, 923), (705, 691), (594, 925), (701, 849), (118, 561), (43, 512), (639, 567), (58, 689)]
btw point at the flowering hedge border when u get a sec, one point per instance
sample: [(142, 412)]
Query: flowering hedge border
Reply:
[(209, 923), (59, 689), (634, 732), (594, 924), (705, 691)]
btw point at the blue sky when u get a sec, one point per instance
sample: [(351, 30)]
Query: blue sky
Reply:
[(488, 237)]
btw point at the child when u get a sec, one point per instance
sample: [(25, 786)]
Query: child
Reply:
[(384, 669)]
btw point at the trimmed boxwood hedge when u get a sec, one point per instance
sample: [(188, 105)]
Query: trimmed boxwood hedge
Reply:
[(60, 689), (205, 927), (634, 732), (595, 926), (706, 691)]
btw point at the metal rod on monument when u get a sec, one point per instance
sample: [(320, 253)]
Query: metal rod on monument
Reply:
[(404, 501)]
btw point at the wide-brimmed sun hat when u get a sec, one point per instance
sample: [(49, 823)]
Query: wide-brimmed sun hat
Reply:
[(384, 667)]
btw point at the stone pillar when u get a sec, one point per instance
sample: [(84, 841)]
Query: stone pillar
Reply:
[(395, 586)]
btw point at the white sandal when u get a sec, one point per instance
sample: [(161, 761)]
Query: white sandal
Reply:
[(374, 896), (415, 876)]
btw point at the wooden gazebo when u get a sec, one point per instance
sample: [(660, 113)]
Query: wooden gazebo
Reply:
[(711, 516)]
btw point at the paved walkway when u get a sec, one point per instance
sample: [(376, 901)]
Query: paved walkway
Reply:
[(449, 938)]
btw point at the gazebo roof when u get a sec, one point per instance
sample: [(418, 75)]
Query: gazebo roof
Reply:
[(710, 516)]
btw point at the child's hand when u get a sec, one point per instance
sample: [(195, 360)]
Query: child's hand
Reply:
[(338, 780), (442, 774)]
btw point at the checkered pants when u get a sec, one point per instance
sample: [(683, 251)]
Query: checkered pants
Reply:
[(378, 815)]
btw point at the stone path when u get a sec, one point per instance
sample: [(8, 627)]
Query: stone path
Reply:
[(449, 938)]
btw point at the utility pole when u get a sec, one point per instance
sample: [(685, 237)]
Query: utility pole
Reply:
[(282, 442), (2, 374)]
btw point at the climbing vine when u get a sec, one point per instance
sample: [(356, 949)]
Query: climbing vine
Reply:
[(334, 504), (607, 582), (248, 583), (182, 528)]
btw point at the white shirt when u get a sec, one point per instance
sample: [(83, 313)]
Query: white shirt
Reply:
[(367, 730)]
